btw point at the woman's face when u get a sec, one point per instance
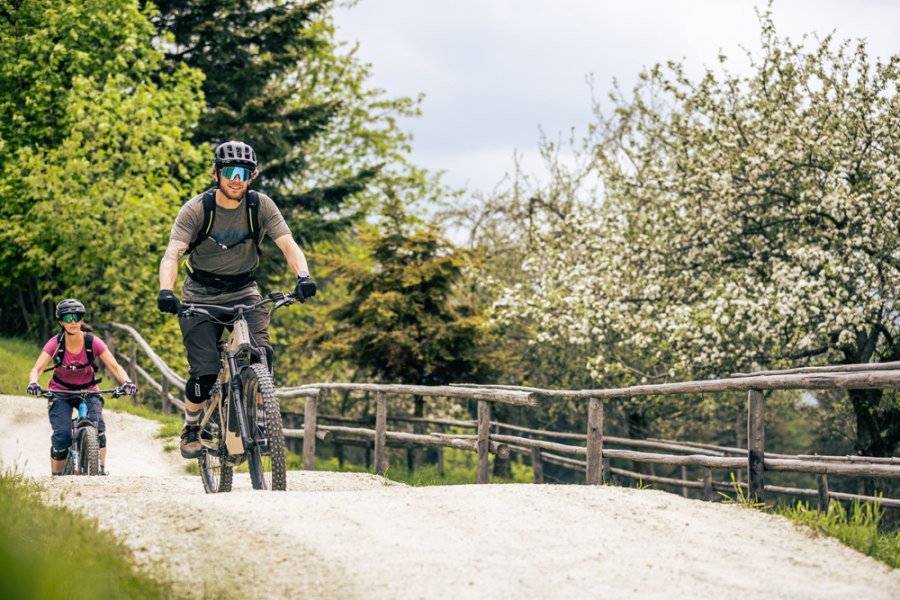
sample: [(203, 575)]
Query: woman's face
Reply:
[(71, 323)]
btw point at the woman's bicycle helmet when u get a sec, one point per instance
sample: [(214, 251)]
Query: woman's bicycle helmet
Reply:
[(69, 306), (235, 153)]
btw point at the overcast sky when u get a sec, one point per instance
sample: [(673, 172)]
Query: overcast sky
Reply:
[(494, 71)]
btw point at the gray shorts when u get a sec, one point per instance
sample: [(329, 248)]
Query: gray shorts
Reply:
[(201, 333)]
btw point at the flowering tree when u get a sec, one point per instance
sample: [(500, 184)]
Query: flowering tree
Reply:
[(748, 220)]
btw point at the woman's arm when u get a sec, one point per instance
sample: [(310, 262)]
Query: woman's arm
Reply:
[(113, 366), (39, 365)]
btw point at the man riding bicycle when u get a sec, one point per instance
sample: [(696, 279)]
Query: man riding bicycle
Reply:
[(220, 231), (72, 353)]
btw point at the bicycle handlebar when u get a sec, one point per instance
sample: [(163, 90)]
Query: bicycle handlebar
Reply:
[(191, 309), (116, 392)]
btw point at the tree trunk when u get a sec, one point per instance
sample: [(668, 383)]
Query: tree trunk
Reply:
[(414, 454), (877, 432), (637, 430)]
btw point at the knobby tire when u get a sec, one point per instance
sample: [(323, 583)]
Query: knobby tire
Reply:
[(89, 451), (267, 465)]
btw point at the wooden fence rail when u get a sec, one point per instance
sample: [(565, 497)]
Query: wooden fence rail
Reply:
[(596, 453)]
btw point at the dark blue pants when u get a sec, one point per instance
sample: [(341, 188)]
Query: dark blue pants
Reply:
[(61, 419)]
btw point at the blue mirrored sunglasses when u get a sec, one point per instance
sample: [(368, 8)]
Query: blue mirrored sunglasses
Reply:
[(231, 172)]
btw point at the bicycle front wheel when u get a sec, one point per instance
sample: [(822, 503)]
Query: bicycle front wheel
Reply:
[(216, 474), (266, 452), (88, 451)]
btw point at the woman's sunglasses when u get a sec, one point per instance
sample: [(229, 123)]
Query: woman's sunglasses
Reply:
[(231, 172), (71, 318)]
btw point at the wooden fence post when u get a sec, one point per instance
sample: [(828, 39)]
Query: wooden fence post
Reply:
[(684, 475), (164, 395), (537, 465), (756, 445), (707, 485), (440, 455), (132, 360), (380, 433), (309, 434), (595, 442), (109, 339), (822, 491), (484, 430)]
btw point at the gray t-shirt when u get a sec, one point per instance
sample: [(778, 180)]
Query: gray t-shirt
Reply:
[(229, 227)]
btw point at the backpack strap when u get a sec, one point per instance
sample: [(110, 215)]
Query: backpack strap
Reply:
[(60, 350), (253, 217), (89, 349), (209, 215)]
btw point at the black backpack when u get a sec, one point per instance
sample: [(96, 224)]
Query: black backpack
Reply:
[(209, 216), (61, 352)]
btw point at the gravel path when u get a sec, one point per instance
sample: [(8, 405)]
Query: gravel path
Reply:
[(358, 536)]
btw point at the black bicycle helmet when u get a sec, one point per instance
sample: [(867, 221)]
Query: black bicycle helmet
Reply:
[(69, 306), (235, 153)]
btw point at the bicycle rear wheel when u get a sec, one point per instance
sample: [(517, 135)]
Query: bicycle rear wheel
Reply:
[(88, 451), (266, 453), (216, 474)]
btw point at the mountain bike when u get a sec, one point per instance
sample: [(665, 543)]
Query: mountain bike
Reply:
[(83, 457), (241, 421)]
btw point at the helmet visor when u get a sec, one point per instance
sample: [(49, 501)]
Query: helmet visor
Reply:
[(243, 173)]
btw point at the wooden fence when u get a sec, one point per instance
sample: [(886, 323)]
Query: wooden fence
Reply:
[(594, 456)]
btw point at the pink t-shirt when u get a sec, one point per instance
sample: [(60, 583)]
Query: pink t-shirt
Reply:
[(78, 376)]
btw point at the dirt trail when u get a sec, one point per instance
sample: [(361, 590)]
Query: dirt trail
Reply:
[(358, 536)]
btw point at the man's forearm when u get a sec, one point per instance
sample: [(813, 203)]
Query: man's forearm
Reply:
[(168, 273), (295, 258), (168, 266)]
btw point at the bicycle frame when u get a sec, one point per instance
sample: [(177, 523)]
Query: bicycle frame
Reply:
[(238, 346), (239, 352)]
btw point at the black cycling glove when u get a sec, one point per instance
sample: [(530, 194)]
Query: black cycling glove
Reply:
[(306, 287), (167, 302)]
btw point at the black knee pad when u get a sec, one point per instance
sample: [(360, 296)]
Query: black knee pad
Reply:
[(101, 437), (59, 454), (198, 388)]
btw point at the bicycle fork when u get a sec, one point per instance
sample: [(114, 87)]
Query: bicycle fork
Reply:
[(237, 404)]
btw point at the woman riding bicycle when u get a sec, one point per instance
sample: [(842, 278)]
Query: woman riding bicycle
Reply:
[(72, 353)]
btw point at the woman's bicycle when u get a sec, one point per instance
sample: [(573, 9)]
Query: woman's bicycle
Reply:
[(83, 457), (241, 421)]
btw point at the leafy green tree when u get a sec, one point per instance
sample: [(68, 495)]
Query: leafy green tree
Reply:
[(99, 160), (402, 321), (747, 220), (277, 79)]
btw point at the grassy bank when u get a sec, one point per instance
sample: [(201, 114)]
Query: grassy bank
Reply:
[(52, 552), (858, 528), (17, 358)]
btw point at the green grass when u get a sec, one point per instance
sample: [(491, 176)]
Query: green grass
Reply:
[(52, 552), (17, 357), (858, 528)]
